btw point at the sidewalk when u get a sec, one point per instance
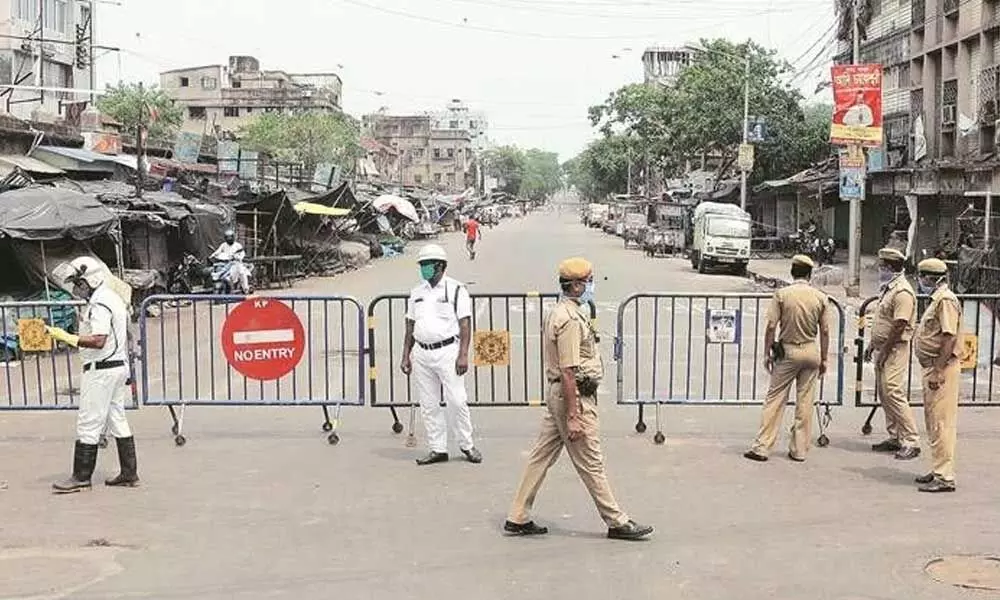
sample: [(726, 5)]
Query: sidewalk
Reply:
[(829, 278)]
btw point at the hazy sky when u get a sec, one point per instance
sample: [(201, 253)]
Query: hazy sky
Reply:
[(533, 65)]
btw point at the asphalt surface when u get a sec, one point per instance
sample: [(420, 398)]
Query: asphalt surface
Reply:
[(258, 505)]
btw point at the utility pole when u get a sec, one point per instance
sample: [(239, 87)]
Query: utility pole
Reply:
[(746, 124), (93, 54), (853, 287), (140, 143)]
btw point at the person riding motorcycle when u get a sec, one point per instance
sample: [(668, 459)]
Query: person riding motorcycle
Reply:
[(229, 257)]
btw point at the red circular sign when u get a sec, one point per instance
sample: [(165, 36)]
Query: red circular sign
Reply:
[(263, 339)]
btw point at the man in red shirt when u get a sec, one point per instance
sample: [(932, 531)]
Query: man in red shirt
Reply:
[(472, 234)]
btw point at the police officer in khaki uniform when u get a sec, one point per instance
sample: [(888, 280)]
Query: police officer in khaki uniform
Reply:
[(892, 330), (573, 369), (936, 346), (796, 315)]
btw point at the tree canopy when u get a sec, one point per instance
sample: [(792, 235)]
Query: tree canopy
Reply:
[(532, 173), (133, 105), (308, 137)]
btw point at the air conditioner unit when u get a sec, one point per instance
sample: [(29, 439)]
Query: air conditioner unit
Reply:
[(948, 114)]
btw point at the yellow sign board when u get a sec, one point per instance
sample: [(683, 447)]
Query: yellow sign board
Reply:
[(33, 335), (491, 348), (968, 352)]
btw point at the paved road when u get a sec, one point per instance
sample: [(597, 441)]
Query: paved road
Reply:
[(257, 505)]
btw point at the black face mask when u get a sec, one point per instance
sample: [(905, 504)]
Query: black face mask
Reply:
[(82, 290)]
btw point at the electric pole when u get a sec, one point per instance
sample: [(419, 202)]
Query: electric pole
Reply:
[(140, 143), (853, 287)]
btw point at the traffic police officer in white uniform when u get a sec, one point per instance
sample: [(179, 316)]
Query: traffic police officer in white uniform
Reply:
[(104, 385), (436, 353)]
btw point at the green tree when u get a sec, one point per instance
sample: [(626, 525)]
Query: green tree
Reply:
[(306, 137), (542, 174), (134, 105), (601, 169), (507, 164)]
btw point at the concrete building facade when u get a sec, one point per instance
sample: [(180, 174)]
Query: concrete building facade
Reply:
[(221, 99), (458, 117), (442, 159), (663, 65), (38, 48), (941, 104)]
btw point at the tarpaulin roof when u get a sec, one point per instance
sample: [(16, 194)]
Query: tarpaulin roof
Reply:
[(311, 208), (87, 157), (46, 213), (32, 165)]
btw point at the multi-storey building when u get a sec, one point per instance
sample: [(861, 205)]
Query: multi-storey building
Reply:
[(39, 48), (458, 116), (941, 60), (437, 158), (221, 99), (664, 65)]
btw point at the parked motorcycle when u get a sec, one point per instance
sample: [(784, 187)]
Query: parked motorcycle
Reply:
[(188, 276)]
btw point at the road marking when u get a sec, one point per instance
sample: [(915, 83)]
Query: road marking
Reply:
[(263, 336)]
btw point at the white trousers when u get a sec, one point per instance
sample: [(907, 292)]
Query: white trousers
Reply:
[(102, 404), (434, 373), (238, 275)]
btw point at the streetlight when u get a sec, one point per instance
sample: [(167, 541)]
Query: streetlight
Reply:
[(746, 107)]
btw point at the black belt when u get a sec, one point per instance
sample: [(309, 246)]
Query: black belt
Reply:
[(438, 345), (103, 365)]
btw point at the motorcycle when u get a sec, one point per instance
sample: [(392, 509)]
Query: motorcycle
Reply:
[(226, 282), (187, 275)]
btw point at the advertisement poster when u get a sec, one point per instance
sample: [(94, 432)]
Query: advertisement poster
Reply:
[(852, 173), (723, 326), (857, 112)]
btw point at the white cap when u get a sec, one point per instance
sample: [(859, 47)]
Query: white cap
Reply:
[(432, 252)]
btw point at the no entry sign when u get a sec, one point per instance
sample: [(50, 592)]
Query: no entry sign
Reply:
[(263, 339)]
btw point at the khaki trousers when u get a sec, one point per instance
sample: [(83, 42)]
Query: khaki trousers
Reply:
[(891, 379), (941, 418), (585, 454), (800, 366)]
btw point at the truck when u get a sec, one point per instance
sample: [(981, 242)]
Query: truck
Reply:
[(596, 215), (721, 237)]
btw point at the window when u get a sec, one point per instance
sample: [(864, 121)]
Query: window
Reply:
[(248, 109), (56, 13), (437, 178), (209, 83), (451, 178), (197, 112), (237, 85), (453, 125), (451, 153), (437, 153), (230, 111), (185, 82), (26, 10), (419, 152), (472, 124), (418, 179)]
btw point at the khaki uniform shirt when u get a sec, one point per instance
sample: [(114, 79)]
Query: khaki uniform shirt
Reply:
[(942, 317), (570, 342), (898, 303), (797, 310)]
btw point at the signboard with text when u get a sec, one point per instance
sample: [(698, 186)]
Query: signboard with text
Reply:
[(263, 339), (857, 111)]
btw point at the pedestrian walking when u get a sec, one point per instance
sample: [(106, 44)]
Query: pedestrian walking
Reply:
[(936, 346), (892, 330), (104, 383), (573, 369), (795, 317), (436, 353), (473, 233)]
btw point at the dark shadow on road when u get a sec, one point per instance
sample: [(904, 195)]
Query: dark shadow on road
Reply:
[(852, 445), (885, 475)]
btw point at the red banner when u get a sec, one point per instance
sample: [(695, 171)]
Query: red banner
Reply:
[(857, 111)]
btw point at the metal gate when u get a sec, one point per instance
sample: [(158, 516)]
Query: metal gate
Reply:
[(513, 321), (705, 350), (980, 375), (183, 362)]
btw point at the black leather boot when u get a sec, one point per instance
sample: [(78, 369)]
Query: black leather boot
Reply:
[(84, 460), (129, 476)]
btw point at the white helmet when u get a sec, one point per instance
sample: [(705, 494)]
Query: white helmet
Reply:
[(88, 269), (432, 252)]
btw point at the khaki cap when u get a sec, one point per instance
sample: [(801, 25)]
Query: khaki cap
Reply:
[(575, 269), (891, 254), (933, 266), (805, 261)]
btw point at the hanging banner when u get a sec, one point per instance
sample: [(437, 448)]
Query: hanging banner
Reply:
[(857, 97), (228, 156), (744, 160)]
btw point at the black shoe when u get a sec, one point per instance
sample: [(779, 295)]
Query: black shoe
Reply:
[(795, 458), (938, 485), (432, 458), (129, 476), (529, 528), (924, 478), (629, 531), (84, 460), (887, 446), (473, 455), (750, 454), (908, 453)]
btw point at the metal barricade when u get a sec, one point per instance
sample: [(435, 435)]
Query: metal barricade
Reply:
[(185, 360), (39, 380), (706, 350), (506, 364), (980, 333)]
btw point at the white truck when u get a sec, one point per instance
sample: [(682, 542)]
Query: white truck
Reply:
[(721, 237)]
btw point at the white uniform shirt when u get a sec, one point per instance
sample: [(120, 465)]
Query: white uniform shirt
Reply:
[(436, 311), (228, 252), (106, 314)]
